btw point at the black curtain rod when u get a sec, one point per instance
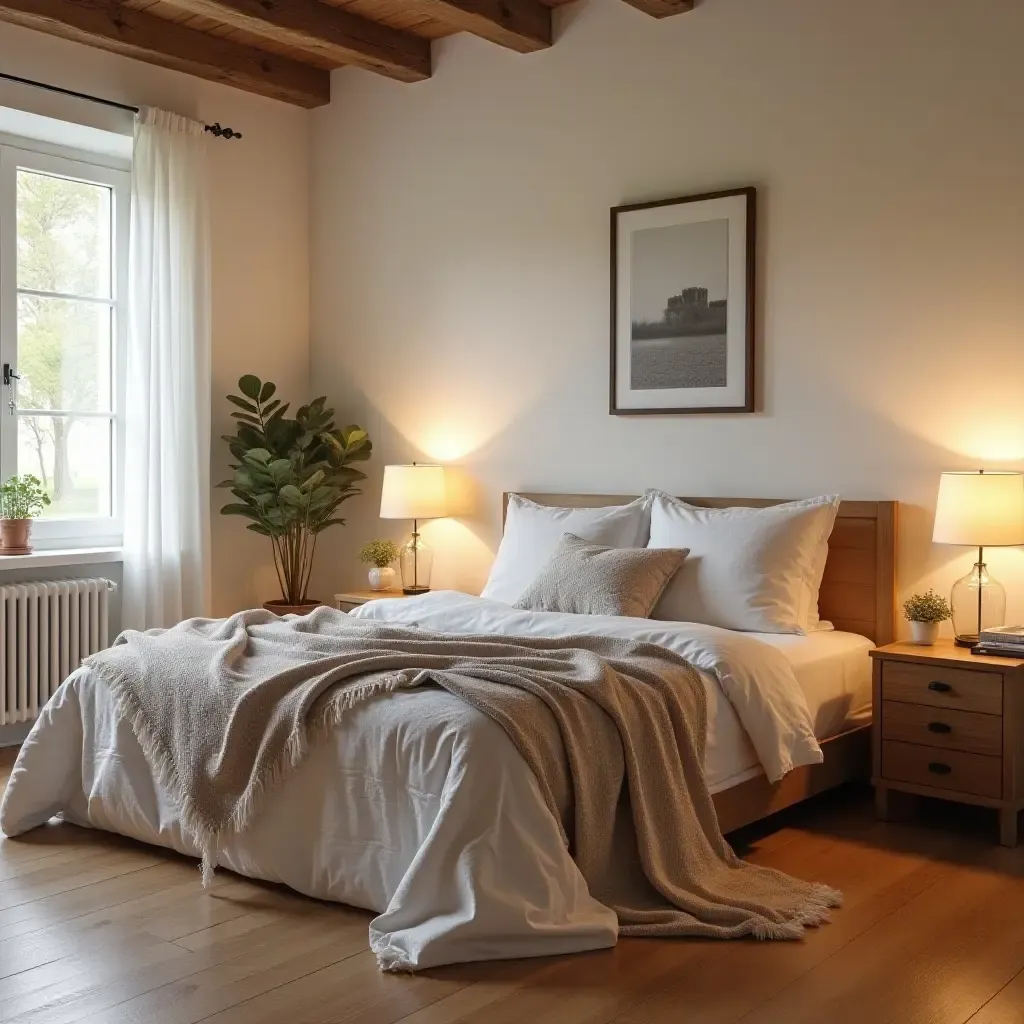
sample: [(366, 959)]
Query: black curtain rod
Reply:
[(213, 129)]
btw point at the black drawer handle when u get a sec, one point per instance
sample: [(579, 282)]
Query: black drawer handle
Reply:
[(938, 768), (939, 687), (939, 727)]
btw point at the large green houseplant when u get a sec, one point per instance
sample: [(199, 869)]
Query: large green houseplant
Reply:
[(291, 474)]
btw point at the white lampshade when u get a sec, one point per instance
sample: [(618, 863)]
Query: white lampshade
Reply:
[(413, 492), (980, 509)]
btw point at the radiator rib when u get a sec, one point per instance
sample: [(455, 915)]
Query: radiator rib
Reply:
[(46, 629)]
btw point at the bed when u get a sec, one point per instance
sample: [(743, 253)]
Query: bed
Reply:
[(422, 810), (858, 596)]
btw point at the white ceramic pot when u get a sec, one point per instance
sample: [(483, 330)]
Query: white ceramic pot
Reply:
[(382, 579), (924, 633)]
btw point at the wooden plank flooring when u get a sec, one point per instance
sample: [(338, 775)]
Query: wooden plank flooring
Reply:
[(97, 928)]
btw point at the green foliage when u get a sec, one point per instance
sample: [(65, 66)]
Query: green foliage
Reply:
[(22, 497), (926, 607), (291, 474), (61, 248), (380, 553)]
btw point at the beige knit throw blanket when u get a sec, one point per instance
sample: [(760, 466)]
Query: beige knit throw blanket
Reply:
[(225, 708)]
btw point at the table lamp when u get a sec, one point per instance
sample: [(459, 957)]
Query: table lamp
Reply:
[(980, 510), (414, 492)]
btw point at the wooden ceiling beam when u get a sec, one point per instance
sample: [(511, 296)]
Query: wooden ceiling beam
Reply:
[(662, 8), (522, 25), (112, 26), (326, 31)]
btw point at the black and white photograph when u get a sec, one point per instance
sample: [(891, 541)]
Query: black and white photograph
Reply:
[(682, 337), (678, 306)]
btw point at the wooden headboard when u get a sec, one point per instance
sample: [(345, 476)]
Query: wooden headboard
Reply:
[(858, 592)]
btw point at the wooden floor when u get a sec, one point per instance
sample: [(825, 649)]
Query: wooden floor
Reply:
[(96, 928)]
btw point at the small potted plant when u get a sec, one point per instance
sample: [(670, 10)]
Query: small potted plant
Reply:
[(379, 554), (22, 498), (924, 612)]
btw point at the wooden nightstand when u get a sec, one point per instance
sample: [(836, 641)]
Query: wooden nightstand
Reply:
[(949, 724), (354, 598)]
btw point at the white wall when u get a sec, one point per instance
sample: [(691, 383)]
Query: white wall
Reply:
[(260, 214), (460, 257)]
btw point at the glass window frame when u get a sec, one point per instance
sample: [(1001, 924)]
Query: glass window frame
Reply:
[(113, 173)]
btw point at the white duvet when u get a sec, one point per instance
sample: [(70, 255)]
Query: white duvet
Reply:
[(420, 809)]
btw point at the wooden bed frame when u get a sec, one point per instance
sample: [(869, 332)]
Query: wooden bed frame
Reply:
[(858, 595)]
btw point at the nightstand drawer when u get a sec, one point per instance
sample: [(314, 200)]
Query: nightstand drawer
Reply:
[(941, 727), (958, 688), (943, 769)]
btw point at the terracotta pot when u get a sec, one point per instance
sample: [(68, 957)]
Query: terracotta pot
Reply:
[(284, 608), (14, 536)]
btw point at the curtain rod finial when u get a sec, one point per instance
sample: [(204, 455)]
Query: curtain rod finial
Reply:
[(222, 133)]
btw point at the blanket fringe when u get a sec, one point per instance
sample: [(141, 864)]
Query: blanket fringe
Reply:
[(387, 963), (208, 837), (208, 865), (814, 912), (302, 741), (162, 763)]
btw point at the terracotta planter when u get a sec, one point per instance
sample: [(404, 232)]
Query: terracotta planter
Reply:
[(14, 536), (284, 608)]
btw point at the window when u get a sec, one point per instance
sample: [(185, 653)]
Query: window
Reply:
[(63, 284)]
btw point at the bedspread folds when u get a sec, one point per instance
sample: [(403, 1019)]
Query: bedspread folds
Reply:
[(755, 678), (417, 805), (224, 709)]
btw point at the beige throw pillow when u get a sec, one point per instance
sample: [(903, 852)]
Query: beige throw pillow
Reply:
[(532, 533), (582, 578)]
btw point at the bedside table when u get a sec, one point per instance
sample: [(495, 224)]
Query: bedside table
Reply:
[(949, 724), (354, 598)]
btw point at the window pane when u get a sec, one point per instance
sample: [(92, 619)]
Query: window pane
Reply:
[(63, 354), (63, 235), (73, 459)]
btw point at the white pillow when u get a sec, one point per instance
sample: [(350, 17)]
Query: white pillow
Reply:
[(532, 533), (756, 569)]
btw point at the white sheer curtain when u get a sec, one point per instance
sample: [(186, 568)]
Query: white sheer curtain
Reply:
[(167, 444)]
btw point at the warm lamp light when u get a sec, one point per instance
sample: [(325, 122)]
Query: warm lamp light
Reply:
[(414, 492), (980, 510)]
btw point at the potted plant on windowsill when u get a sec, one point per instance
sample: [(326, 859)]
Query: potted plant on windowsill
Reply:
[(290, 476), (22, 498), (924, 612)]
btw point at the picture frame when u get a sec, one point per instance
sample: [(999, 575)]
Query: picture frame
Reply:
[(682, 305)]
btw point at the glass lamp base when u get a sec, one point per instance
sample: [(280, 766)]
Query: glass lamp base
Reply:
[(416, 559), (978, 602)]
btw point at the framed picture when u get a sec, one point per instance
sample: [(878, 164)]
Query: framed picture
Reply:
[(683, 305)]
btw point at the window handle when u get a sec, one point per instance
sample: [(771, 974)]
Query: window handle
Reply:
[(10, 376)]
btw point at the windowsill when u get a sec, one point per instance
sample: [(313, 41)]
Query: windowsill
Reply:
[(61, 556)]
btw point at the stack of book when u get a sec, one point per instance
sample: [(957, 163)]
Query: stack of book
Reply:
[(1007, 641)]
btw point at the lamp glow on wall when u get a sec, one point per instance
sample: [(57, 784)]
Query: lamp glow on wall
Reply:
[(415, 492), (979, 510)]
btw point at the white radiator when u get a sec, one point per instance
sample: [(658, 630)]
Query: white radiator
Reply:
[(46, 629)]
